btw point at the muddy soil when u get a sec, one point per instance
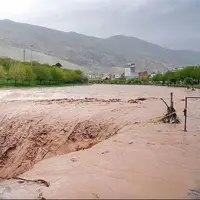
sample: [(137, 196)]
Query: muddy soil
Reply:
[(37, 133)]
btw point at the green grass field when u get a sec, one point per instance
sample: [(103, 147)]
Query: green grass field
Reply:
[(11, 84)]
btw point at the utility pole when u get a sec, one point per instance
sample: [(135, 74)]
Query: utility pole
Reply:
[(24, 55), (31, 53)]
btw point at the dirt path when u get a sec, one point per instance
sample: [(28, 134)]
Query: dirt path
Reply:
[(98, 144)]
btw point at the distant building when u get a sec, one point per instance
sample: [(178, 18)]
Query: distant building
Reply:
[(117, 75), (143, 75), (152, 75), (106, 76), (58, 65), (122, 75), (179, 68), (176, 69), (130, 70)]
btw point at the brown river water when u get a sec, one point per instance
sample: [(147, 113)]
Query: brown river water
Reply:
[(94, 142)]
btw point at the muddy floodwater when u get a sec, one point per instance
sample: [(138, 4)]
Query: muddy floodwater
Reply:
[(98, 141)]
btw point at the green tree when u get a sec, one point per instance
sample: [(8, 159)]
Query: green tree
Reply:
[(67, 76), (29, 74), (144, 80), (170, 77), (57, 74), (3, 73), (196, 74), (17, 73), (186, 72), (78, 78), (157, 77), (79, 72), (70, 76), (24, 71), (6, 63), (189, 81), (42, 73)]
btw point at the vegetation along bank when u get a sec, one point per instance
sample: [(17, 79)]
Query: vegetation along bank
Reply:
[(185, 77), (17, 73)]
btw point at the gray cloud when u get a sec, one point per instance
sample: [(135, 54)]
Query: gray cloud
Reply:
[(173, 23)]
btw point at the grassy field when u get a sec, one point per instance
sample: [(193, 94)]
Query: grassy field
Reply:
[(11, 84)]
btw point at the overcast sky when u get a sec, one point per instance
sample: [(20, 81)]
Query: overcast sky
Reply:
[(170, 23)]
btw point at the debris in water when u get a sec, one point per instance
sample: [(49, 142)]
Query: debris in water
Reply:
[(141, 99), (171, 116), (105, 152)]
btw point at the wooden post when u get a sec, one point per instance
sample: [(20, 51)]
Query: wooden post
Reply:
[(185, 110), (185, 114), (171, 103)]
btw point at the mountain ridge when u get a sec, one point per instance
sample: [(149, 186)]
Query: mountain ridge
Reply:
[(93, 52)]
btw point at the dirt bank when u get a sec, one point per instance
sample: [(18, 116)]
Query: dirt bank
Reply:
[(140, 160), (37, 131)]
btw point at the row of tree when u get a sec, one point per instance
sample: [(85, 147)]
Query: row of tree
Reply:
[(43, 73), (188, 75), (131, 81)]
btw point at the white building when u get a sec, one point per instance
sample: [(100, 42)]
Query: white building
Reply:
[(152, 75), (130, 71), (117, 75)]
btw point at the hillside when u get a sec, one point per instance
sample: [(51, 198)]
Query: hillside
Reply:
[(77, 50)]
